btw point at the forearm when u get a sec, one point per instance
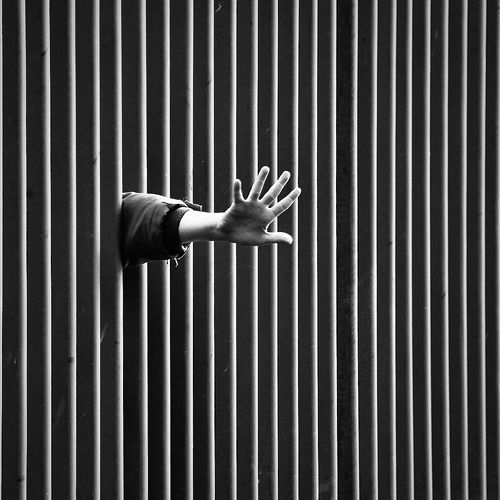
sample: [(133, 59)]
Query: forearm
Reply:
[(199, 226)]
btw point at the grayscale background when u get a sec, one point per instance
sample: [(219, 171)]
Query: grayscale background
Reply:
[(361, 362)]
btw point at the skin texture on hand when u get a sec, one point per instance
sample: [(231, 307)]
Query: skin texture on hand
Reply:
[(247, 219)]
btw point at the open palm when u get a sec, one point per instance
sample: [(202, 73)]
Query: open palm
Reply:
[(247, 219)]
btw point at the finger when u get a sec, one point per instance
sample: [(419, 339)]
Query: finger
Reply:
[(276, 188), (258, 184), (278, 237), (286, 202), (237, 194)]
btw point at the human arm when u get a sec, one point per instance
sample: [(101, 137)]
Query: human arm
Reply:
[(155, 227)]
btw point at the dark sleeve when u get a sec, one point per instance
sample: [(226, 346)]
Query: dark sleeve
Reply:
[(149, 228)]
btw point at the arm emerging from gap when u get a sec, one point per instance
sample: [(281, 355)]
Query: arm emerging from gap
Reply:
[(154, 227)]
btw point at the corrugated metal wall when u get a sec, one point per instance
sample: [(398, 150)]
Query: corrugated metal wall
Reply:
[(361, 362)]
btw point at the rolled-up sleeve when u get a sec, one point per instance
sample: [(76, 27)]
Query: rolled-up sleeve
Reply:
[(149, 228)]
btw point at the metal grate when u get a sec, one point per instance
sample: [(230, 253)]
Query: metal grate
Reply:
[(363, 361)]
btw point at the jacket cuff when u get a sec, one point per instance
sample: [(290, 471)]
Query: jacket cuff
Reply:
[(147, 230)]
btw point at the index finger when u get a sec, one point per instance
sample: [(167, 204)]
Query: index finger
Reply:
[(258, 184)]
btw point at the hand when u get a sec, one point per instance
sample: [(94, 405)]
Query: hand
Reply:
[(246, 220)]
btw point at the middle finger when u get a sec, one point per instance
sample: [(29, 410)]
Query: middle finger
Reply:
[(276, 188)]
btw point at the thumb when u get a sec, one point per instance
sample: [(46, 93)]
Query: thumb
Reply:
[(278, 237)]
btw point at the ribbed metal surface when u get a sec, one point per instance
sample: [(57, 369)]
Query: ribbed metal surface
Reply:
[(361, 362)]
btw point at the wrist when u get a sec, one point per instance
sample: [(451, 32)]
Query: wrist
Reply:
[(215, 232), (199, 226)]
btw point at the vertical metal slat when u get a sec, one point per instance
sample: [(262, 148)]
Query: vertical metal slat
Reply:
[(189, 258), (463, 248), (143, 278), (274, 254), (368, 266), (457, 255), (166, 318), (72, 248), (481, 223), (1, 239), (295, 252), (406, 481), (444, 257), (347, 255), (46, 258), (497, 227), (254, 274), (333, 252), (314, 248), (445, 208), (355, 254), (426, 310), (373, 243), (492, 250), (409, 250), (118, 284), (476, 247), (22, 270), (211, 255), (233, 269), (96, 280), (111, 335), (392, 249)]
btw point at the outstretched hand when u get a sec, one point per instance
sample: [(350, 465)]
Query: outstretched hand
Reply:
[(247, 219)]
